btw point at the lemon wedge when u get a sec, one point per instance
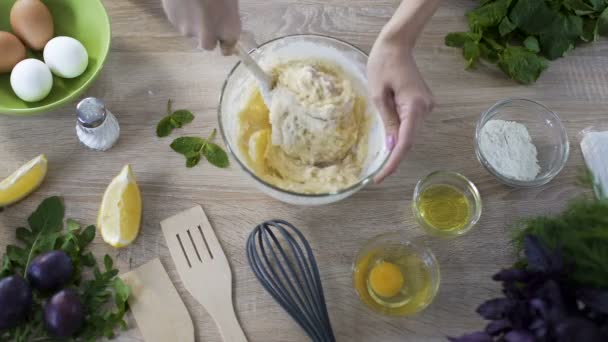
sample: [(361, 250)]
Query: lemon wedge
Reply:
[(120, 212), (258, 145), (23, 181)]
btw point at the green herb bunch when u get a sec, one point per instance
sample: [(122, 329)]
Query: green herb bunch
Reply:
[(193, 148), (104, 295), (581, 233), (520, 36)]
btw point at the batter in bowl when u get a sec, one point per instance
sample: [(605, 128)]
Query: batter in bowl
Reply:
[(313, 139)]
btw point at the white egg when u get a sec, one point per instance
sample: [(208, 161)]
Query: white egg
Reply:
[(66, 57), (31, 80)]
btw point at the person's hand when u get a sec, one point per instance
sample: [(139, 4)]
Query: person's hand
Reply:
[(400, 94), (207, 21)]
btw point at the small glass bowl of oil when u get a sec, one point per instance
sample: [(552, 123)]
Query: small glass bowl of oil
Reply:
[(394, 276), (446, 204)]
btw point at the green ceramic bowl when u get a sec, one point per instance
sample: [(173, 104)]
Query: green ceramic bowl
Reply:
[(86, 21)]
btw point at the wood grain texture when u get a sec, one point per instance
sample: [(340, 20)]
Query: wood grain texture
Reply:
[(150, 63)]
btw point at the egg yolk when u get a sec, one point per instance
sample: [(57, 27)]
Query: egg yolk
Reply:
[(386, 279)]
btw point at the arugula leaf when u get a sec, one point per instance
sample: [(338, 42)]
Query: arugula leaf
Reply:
[(45, 224), (173, 120), (46, 233), (521, 64)]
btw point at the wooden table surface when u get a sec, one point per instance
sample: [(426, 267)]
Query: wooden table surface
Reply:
[(150, 63)]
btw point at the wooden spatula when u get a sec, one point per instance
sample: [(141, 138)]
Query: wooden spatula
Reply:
[(203, 267), (158, 310)]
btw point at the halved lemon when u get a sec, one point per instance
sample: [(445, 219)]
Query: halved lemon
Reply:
[(23, 181), (120, 212)]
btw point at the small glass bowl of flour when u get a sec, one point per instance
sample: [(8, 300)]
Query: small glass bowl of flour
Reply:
[(521, 142)]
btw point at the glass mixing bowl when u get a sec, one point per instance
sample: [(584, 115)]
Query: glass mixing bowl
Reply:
[(546, 130), (240, 83)]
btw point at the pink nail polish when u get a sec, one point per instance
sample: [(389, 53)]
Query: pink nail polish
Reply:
[(390, 142)]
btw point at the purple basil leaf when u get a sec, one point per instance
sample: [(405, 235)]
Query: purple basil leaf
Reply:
[(511, 275), (554, 309), (495, 328), (519, 336), (579, 329), (536, 254), (495, 308), (539, 307), (539, 327), (472, 337), (594, 299)]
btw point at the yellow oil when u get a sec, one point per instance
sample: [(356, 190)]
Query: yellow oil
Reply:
[(444, 207), (403, 288)]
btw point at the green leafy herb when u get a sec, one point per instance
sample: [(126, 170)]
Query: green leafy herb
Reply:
[(174, 119), (580, 232), (104, 297), (193, 148), (546, 28)]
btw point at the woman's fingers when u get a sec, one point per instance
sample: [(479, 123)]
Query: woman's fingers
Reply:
[(384, 102), (404, 142)]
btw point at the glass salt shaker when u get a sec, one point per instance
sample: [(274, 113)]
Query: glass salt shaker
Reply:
[(97, 128)]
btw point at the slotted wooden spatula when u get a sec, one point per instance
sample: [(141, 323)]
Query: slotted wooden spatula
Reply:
[(203, 268), (159, 311)]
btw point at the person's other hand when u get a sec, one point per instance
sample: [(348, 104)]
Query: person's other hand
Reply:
[(400, 94), (207, 21)]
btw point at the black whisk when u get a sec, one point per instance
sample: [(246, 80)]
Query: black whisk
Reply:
[(283, 262)]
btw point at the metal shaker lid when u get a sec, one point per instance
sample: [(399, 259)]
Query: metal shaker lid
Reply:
[(91, 112)]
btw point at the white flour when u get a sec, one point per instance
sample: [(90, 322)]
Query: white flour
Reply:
[(508, 147)]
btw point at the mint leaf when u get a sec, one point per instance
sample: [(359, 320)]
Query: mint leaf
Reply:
[(561, 36), (488, 53), (188, 146), (193, 160), (471, 53), (173, 120), (532, 16), (458, 39), (216, 155), (521, 64), (602, 23), (531, 43), (506, 26), (489, 14)]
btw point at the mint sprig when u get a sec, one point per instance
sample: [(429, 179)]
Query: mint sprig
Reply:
[(194, 148), (521, 35), (174, 119), (104, 296)]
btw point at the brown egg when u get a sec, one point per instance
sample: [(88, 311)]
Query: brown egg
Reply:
[(12, 49), (32, 22)]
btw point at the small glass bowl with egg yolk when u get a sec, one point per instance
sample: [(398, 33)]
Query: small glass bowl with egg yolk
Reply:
[(394, 276)]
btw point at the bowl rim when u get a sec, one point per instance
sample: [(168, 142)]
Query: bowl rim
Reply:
[(471, 187), (76, 92), (487, 116), (359, 184), (421, 249)]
